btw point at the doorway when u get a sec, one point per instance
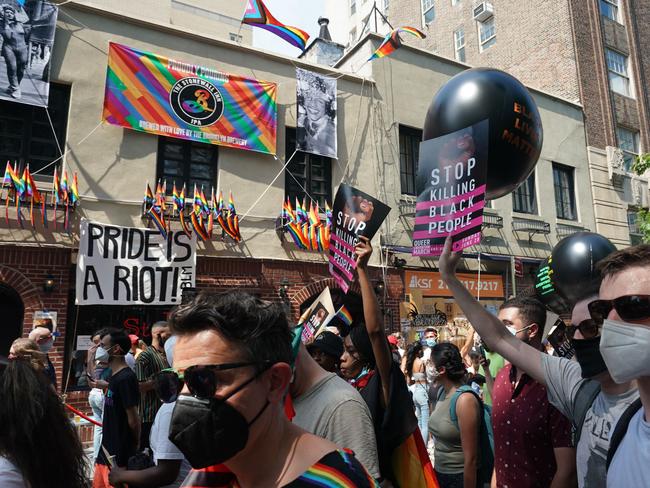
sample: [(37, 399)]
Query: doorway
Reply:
[(12, 312)]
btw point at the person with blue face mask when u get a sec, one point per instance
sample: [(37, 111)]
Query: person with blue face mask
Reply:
[(44, 338)]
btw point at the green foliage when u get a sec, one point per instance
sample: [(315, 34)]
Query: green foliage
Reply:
[(640, 166)]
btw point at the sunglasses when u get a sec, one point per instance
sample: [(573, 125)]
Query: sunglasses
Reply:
[(628, 307), (201, 380), (589, 329)]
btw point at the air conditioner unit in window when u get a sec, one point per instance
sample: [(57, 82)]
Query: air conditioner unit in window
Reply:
[(483, 11)]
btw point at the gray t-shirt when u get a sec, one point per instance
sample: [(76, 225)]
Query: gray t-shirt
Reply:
[(563, 379), (630, 465), (10, 475), (334, 410)]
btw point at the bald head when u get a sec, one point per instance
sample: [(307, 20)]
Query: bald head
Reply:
[(40, 334)]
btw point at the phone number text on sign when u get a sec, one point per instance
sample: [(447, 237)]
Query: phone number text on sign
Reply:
[(430, 283), (471, 285)]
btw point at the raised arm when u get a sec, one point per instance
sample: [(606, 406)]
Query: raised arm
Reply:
[(372, 316), (490, 328)]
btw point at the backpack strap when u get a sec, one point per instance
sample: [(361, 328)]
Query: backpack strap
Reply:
[(454, 399), (585, 397), (621, 429)]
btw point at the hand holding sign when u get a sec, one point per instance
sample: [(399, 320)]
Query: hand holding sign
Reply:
[(363, 250)]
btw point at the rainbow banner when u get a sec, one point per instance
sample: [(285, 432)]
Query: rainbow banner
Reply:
[(158, 95)]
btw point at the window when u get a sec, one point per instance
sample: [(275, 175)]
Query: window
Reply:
[(428, 11), (459, 44), (186, 162), (628, 141), (353, 7), (487, 33), (609, 9), (409, 153), (524, 199), (565, 200), (619, 80), (353, 35), (235, 37), (26, 135), (636, 236), (307, 172)]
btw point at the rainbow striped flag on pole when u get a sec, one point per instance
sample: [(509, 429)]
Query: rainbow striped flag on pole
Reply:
[(258, 15), (392, 41)]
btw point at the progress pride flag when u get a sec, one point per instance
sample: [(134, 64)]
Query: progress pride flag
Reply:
[(354, 214), (451, 190)]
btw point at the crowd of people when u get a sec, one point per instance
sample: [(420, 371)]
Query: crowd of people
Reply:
[(227, 395)]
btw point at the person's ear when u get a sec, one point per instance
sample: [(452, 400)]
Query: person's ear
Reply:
[(534, 330), (279, 377)]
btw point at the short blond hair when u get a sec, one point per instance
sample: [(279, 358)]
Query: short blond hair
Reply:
[(28, 350)]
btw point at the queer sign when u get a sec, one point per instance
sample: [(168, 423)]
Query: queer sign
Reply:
[(130, 266), (354, 214), (451, 190)]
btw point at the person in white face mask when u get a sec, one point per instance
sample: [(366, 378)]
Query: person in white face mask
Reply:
[(624, 310), (45, 340)]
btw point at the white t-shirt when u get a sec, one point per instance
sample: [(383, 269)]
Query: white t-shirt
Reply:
[(162, 447), (630, 467), (10, 475)]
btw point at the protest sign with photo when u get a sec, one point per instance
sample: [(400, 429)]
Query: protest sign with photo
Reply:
[(27, 37), (559, 340), (131, 266), (316, 101), (451, 190), (354, 214), (319, 313)]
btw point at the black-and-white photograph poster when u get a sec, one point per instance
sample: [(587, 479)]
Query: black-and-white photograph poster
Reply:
[(316, 128), (27, 37)]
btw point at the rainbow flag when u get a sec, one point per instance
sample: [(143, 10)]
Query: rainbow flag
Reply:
[(74, 190), (159, 220), (296, 234), (229, 110), (205, 207), (411, 463), (148, 199), (199, 227), (258, 15), (19, 184), (344, 315), (314, 218), (328, 216), (392, 41), (7, 177), (64, 187), (175, 198)]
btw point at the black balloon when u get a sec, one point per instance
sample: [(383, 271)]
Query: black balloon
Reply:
[(546, 291), (574, 264), (515, 125)]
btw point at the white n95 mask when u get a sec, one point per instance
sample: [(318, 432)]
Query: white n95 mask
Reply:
[(626, 350)]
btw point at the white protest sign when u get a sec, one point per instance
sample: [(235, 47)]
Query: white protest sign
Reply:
[(131, 266)]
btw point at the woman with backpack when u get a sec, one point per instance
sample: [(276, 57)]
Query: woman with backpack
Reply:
[(456, 433)]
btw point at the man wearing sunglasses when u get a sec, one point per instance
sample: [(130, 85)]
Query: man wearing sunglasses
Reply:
[(230, 377), (624, 311), (583, 391)]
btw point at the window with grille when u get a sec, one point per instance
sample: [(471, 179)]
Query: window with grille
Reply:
[(617, 66), (628, 142), (26, 135), (186, 162), (524, 198), (487, 33), (609, 9), (636, 236), (409, 152), (428, 11), (459, 45), (565, 200), (307, 173)]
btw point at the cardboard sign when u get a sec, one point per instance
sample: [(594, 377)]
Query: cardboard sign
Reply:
[(130, 266), (450, 183), (355, 214), (319, 313)]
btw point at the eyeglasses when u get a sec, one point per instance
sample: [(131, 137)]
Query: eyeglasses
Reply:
[(628, 307), (201, 379), (589, 329)]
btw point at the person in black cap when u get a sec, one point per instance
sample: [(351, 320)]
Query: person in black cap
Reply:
[(327, 350)]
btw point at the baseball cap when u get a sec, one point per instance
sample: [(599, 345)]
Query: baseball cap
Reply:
[(329, 343)]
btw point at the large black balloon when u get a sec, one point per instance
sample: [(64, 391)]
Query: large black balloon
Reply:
[(547, 292), (515, 125), (574, 264)]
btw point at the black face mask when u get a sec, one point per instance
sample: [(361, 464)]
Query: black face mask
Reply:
[(589, 357), (210, 432)]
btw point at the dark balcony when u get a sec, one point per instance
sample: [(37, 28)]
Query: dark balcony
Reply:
[(530, 227)]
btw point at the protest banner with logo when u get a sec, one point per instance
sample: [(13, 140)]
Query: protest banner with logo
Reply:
[(319, 313), (162, 96), (131, 266), (316, 101), (450, 183), (354, 214)]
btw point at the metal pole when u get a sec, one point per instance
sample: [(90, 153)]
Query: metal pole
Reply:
[(512, 271)]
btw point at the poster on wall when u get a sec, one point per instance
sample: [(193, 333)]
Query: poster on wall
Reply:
[(130, 266), (354, 214), (27, 28), (316, 101), (450, 184), (162, 96)]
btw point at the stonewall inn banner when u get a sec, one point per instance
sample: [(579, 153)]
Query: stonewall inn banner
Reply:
[(162, 96)]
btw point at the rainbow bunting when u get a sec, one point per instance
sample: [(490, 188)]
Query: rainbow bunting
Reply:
[(392, 41), (258, 15)]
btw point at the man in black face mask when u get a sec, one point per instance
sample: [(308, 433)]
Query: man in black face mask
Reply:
[(232, 369), (583, 391)]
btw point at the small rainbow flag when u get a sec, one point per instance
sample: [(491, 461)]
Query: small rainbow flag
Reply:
[(159, 220), (258, 15), (74, 190), (175, 198), (344, 315), (392, 41), (148, 199), (64, 186)]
